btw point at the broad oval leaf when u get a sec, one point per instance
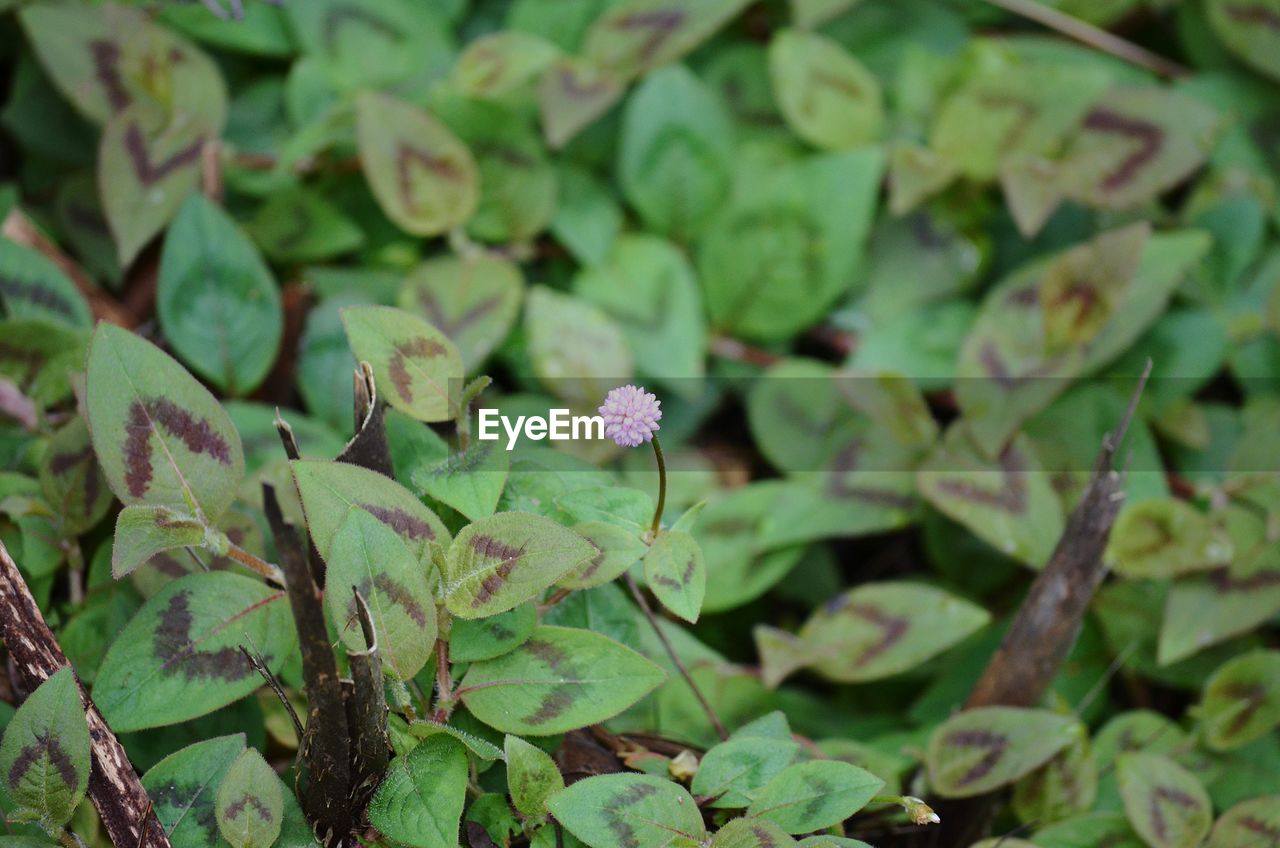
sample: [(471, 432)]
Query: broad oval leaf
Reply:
[(250, 803), (1065, 786), (616, 550), (733, 771), (419, 802), (1250, 824), (31, 286), (1205, 609), (44, 756), (634, 36), (503, 560), (826, 95), (418, 370), (1165, 803), (179, 657), (472, 639), (160, 437), (1251, 29), (532, 776), (72, 480), (473, 300), (811, 796), (560, 679), (752, 833), (979, 750), (368, 556), (577, 350), (572, 94), (218, 303), (634, 810), (1241, 701), (675, 571), (423, 177), (501, 62), (1165, 537), (184, 788)]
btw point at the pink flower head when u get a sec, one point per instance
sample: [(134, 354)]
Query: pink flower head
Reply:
[(630, 415)]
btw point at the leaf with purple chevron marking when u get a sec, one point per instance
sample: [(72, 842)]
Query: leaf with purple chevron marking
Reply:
[(752, 833), (39, 357), (634, 36), (827, 96), (31, 286), (1251, 29), (560, 679), (184, 785), (814, 795), (330, 490), (145, 530), (44, 756), (1250, 824), (676, 573), (1065, 786), (250, 803), (877, 630), (616, 550), (532, 776), (368, 556), (1007, 502), (159, 435), (417, 369), (1205, 609), (732, 772), (472, 639), (419, 802), (573, 93), (72, 480), (629, 811), (1166, 805), (422, 175), (1241, 701), (179, 657), (474, 300), (979, 750), (501, 62), (503, 560), (1159, 538)]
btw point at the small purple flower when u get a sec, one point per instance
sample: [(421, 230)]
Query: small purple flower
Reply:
[(630, 415)]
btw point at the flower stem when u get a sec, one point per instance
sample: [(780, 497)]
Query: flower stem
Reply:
[(662, 487)]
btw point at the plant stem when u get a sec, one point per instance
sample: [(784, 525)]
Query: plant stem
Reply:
[(675, 658), (662, 487), (444, 683), (272, 573)]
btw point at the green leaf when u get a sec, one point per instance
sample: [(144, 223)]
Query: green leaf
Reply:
[(472, 639), (72, 480), (572, 94), (31, 286), (419, 802), (532, 777), (741, 564), (418, 370), (873, 631), (44, 756), (1165, 537), (423, 177), (828, 98), (1241, 700), (576, 350), (300, 225), (636, 810), (982, 749), (501, 62), (250, 803), (142, 531), (179, 658), (751, 833), (1251, 30), (184, 786), (482, 748), (1203, 610), (634, 36), (674, 162), (160, 437), (331, 490), (675, 571), (732, 772), (1165, 803), (217, 301), (368, 556), (1066, 785), (810, 796), (616, 550), (808, 14), (503, 560), (470, 481), (561, 678), (473, 300), (1247, 823)]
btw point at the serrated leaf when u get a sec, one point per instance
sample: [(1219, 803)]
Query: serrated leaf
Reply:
[(368, 556), (1165, 537), (330, 490), (184, 786), (1165, 803), (473, 300), (979, 750), (424, 178), (72, 480), (31, 286), (143, 530), (472, 639), (675, 572), (828, 98), (419, 802), (1241, 700), (1248, 824), (44, 756), (503, 560), (561, 678), (250, 803), (160, 437), (217, 301), (732, 772), (179, 657), (635, 810), (811, 796), (414, 364), (532, 776)]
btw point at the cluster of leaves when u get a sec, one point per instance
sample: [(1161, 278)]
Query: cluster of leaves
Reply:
[(880, 406)]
